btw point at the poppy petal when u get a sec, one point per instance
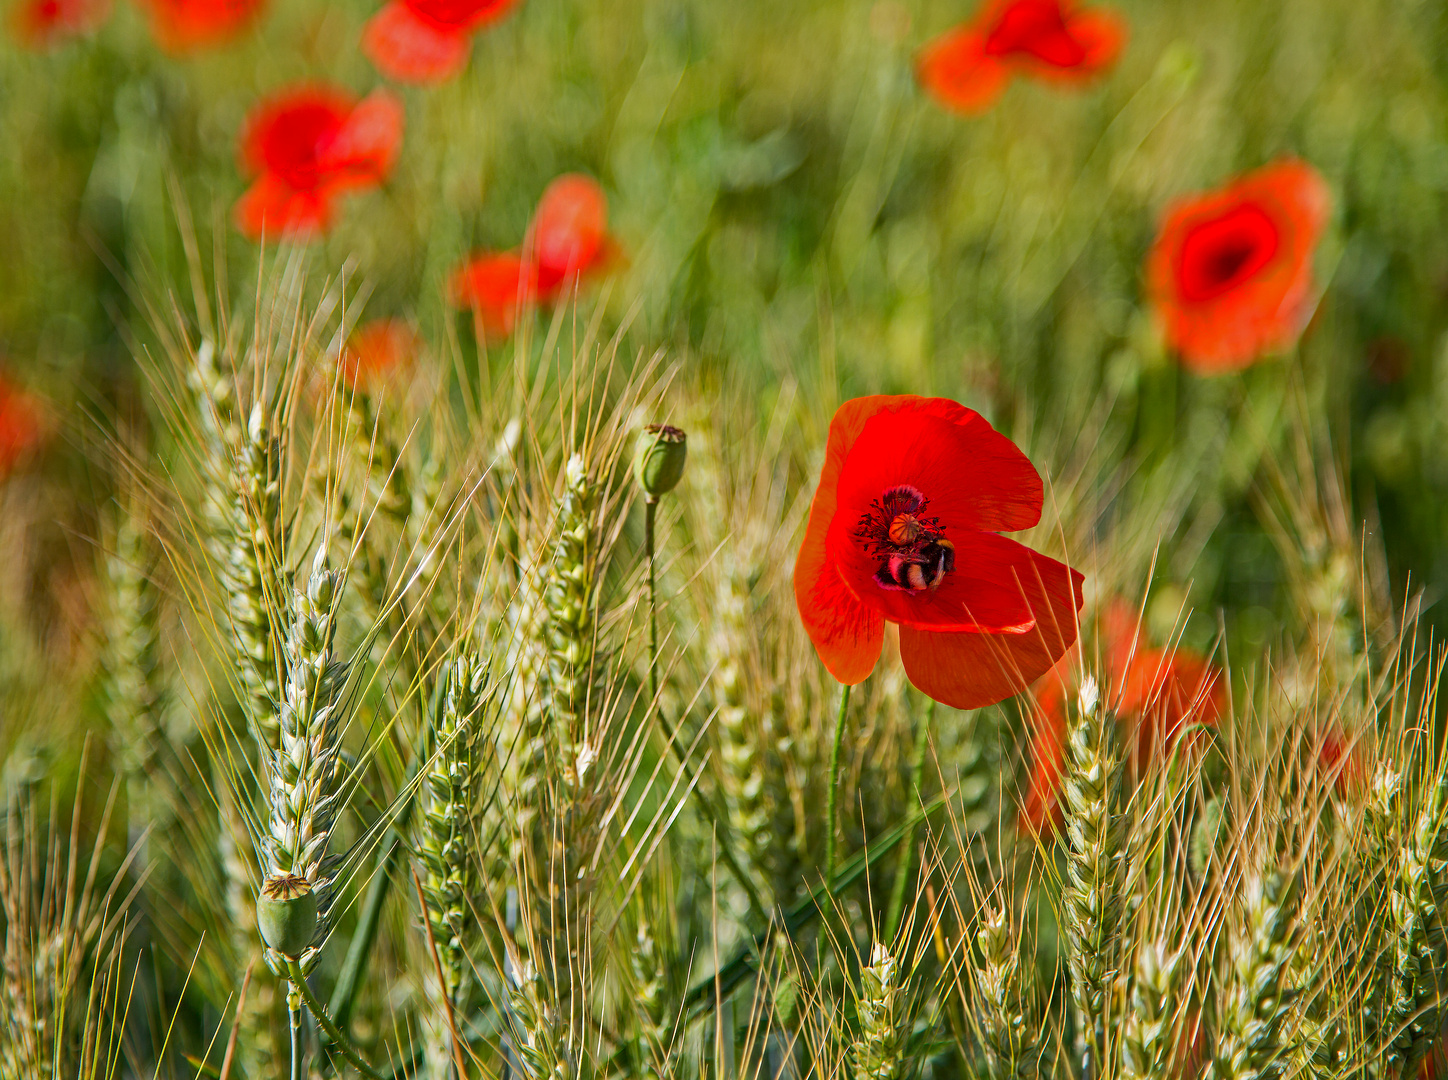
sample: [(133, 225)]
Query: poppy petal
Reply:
[(569, 230), (847, 635), (955, 70), (495, 286), (411, 49), (183, 25), (365, 148), (972, 670), (272, 209), (974, 477)]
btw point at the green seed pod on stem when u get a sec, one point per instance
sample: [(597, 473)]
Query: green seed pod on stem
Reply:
[(286, 913), (659, 459)]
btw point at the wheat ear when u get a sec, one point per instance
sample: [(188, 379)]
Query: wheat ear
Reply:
[(1257, 999), (1092, 894), (1006, 1033)]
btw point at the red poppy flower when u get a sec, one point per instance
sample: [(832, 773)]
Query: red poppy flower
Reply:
[(308, 146), (183, 25), (569, 234), (967, 68), (42, 24), (427, 41), (496, 286), (903, 528), (1231, 271), (22, 425), (377, 350)]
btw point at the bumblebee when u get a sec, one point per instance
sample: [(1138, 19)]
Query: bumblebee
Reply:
[(917, 569)]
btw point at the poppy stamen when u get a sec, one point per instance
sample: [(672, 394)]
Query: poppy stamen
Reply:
[(914, 554)]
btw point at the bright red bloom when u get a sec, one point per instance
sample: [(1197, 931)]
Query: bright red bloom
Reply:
[(1231, 270), (903, 528), (22, 425), (427, 41), (183, 25), (967, 68), (496, 286), (569, 234), (42, 24), (377, 350), (308, 146)]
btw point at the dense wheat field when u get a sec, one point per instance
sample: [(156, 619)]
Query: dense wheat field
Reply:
[(564, 539)]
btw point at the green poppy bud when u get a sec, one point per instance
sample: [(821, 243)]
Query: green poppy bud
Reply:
[(286, 913), (659, 459)]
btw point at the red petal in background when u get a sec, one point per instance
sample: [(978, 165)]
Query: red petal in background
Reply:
[(182, 25), (495, 286), (411, 49), (273, 210), (365, 147), (42, 24), (569, 230)]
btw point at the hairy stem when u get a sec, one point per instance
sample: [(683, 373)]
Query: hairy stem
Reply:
[(907, 853)]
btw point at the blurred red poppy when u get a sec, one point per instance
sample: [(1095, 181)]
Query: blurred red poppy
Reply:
[(567, 239), (182, 25), (427, 41), (1158, 693), (309, 145), (42, 24), (903, 528), (968, 67), (22, 425), (1341, 761), (1041, 810), (1231, 270), (569, 234), (496, 287), (377, 350)]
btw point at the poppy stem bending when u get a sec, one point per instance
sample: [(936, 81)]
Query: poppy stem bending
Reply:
[(344, 1044), (907, 852), (834, 790)]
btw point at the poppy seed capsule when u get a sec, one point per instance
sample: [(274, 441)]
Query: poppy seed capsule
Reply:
[(659, 459), (286, 913)]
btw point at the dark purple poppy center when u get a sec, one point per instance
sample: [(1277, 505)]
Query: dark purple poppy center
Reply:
[(913, 552), (1035, 28)]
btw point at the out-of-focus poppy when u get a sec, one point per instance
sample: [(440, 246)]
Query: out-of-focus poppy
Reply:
[(496, 286), (569, 233), (1230, 273), (183, 25), (903, 528), (567, 239), (22, 425), (1341, 760), (1041, 809), (376, 351), (427, 41), (967, 68), (43, 24), (1158, 693), (308, 146)]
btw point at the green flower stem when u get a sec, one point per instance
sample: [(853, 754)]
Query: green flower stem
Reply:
[(299, 983), (650, 504), (834, 791), (907, 853), (294, 1018)]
